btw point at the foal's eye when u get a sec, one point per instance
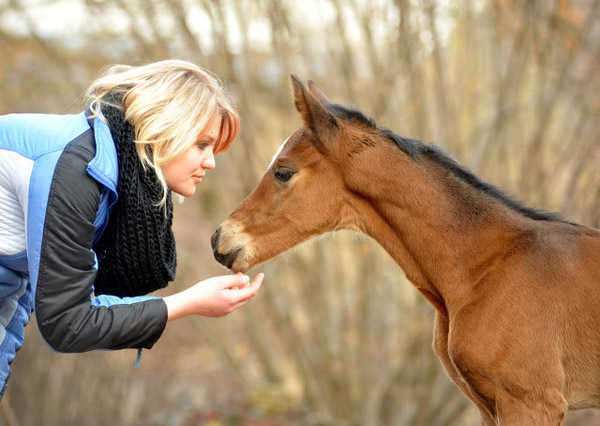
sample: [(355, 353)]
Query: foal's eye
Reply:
[(283, 175)]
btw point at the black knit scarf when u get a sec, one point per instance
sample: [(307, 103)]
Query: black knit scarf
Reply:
[(136, 253)]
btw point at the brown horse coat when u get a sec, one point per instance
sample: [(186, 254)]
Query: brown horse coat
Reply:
[(516, 290)]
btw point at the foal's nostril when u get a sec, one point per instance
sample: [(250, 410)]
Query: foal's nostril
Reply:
[(214, 240)]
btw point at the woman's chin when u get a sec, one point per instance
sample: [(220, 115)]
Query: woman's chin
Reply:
[(185, 192)]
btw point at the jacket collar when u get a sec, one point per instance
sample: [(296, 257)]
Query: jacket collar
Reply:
[(104, 165)]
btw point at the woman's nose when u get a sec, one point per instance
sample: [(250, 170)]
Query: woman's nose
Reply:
[(209, 160)]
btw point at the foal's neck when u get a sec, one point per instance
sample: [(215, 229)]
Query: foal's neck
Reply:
[(442, 231)]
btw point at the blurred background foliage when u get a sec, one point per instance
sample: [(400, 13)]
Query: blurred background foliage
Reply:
[(337, 336)]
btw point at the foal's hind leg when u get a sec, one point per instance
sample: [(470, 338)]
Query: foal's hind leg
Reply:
[(440, 346), (546, 409)]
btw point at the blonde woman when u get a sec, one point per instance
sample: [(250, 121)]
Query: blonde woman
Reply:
[(86, 210)]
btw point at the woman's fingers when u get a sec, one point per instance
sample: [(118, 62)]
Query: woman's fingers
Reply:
[(248, 290)]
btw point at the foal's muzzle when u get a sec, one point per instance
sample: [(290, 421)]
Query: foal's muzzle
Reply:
[(225, 259)]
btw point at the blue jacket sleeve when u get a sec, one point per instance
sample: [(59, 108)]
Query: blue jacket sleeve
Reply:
[(69, 317)]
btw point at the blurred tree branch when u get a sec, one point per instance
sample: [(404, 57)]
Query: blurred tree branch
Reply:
[(508, 86)]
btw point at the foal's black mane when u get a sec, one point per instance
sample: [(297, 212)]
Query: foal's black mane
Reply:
[(415, 148)]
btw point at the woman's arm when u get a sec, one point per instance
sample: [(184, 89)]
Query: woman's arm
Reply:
[(69, 317)]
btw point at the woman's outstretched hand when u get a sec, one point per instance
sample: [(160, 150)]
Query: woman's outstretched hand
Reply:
[(214, 297)]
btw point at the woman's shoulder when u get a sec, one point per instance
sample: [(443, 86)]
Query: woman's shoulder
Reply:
[(33, 135)]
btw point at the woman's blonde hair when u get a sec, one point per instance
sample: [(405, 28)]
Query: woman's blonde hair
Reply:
[(170, 104)]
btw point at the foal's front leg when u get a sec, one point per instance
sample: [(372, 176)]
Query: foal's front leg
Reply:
[(440, 346), (548, 408)]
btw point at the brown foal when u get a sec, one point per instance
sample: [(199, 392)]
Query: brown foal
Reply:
[(516, 290)]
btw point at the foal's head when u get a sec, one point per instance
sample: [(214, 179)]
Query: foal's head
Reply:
[(311, 186)]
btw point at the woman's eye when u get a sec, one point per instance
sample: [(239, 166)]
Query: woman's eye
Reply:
[(283, 175)]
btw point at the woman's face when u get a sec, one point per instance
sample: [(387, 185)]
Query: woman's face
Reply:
[(183, 173)]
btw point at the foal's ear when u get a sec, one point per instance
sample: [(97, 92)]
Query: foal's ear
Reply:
[(318, 92), (315, 116)]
